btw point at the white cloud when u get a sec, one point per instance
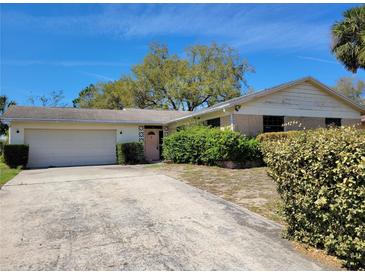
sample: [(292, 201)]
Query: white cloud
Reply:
[(63, 63), (251, 27), (315, 59), (97, 75)]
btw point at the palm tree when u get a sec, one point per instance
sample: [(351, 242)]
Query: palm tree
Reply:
[(348, 38), (4, 104)]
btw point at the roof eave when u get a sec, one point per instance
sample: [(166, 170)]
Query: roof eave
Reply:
[(220, 108), (9, 119)]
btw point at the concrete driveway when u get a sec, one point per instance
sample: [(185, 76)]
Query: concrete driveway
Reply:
[(129, 218)]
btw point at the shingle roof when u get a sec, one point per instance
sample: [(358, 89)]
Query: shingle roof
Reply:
[(130, 115)]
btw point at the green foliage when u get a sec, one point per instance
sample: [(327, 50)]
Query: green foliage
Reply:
[(349, 39), (207, 75), (109, 95), (320, 176), (273, 136), (351, 88), (130, 153), (2, 147), (16, 155), (4, 104), (205, 145), (86, 97)]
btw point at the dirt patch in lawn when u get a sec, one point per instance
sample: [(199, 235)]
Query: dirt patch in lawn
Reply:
[(251, 188), (319, 255)]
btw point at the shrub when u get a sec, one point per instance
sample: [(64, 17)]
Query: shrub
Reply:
[(2, 147), (16, 155), (272, 136), (321, 178), (130, 153), (205, 145)]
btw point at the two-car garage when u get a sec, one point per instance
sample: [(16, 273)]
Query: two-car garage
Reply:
[(71, 147), (68, 136)]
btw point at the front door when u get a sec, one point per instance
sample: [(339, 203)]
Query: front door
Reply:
[(152, 148)]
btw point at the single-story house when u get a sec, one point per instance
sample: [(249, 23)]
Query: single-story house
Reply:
[(71, 136)]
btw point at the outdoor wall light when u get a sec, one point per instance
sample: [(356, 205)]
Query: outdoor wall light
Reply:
[(17, 131), (237, 107), (121, 132)]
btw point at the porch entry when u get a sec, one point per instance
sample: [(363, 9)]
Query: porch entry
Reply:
[(153, 136)]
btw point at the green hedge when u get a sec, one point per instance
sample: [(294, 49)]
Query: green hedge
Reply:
[(205, 145), (2, 147), (16, 155), (130, 153), (321, 178), (272, 136)]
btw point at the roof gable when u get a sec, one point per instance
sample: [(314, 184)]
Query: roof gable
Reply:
[(302, 99), (309, 80), (266, 92)]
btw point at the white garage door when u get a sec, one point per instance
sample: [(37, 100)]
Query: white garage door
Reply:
[(70, 147)]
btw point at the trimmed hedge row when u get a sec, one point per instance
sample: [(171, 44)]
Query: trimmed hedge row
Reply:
[(16, 155), (209, 146), (321, 178), (273, 136), (130, 153), (2, 144)]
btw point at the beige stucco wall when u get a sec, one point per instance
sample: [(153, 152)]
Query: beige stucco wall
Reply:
[(129, 132), (297, 123), (226, 122), (350, 122), (314, 122), (250, 125)]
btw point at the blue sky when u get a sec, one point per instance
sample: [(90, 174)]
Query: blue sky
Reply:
[(51, 47)]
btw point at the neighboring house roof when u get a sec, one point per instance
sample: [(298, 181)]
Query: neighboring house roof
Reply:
[(247, 98), (128, 115)]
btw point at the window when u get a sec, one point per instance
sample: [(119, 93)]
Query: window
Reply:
[(214, 122), (273, 123), (334, 122)]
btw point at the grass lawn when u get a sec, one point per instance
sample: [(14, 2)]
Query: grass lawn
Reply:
[(7, 173), (251, 188)]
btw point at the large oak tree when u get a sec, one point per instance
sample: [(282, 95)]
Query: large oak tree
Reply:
[(204, 76)]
